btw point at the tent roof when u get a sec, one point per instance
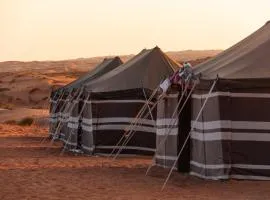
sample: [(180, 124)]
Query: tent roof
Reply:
[(147, 69), (247, 59), (107, 65)]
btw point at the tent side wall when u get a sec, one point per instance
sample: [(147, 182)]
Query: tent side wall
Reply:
[(112, 113), (57, 106), (71, 134), (87, 141), (70, 127), (233, 133), (167, 131)]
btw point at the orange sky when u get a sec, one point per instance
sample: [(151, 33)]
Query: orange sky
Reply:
[(63, 29)]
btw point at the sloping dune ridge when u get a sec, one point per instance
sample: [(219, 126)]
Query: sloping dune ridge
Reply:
[(28, 84)]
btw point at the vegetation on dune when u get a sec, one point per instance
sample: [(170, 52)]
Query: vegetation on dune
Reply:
[(4, 89), (27, 121), (7, 106)]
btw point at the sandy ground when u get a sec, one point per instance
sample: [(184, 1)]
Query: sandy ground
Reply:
[(20, 113), (30, 169)]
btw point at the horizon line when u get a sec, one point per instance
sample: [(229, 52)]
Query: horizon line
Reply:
[(103, 56)]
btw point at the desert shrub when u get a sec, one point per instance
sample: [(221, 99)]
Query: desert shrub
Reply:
[(4, 89), (6, 106), (27, 121), (10, 122), (37, 107)]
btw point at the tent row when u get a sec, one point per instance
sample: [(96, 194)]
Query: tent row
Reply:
[(219, 128), (93, 113)]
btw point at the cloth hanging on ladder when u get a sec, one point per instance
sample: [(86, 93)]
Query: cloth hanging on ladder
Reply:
[(165, 85)]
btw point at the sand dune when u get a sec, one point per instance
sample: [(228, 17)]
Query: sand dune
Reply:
[(28, 84)]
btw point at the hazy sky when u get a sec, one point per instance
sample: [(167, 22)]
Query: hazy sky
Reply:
[(62, 29)]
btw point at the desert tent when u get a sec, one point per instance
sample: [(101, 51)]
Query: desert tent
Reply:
[(115, 100), (232, 134), (104, 67), (60, 97)]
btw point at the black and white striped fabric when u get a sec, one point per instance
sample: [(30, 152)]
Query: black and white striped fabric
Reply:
[(57, 107), (104, 122), (167, 131), (232, 136)]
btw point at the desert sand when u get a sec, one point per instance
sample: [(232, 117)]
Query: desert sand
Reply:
[(30, 169)]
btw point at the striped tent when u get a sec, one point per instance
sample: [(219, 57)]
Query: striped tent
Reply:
[(61, 99), (173, 127), (231, 137), (114, 101)]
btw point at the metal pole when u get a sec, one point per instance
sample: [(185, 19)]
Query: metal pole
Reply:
[(192, 128), (170, 127), (69, 137), (131, 133), (134, 122), (67, 110), (150, 111)]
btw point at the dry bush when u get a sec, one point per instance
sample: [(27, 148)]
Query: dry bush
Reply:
[(27, 121), (4, 89), (6, 106)]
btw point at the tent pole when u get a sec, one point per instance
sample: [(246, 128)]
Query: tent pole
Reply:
[(54, 108), (63, 107), (149, 109), (192, 128), (134, 122), (129, 134), (132, 132), (67, 110), (44, 107), (127, 130), (69, 137), (171, 124), (59, 98)]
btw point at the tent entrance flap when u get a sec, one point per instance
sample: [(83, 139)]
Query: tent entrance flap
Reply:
[(184, 127)]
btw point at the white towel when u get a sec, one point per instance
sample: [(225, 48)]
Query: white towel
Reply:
[(165, 85)]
